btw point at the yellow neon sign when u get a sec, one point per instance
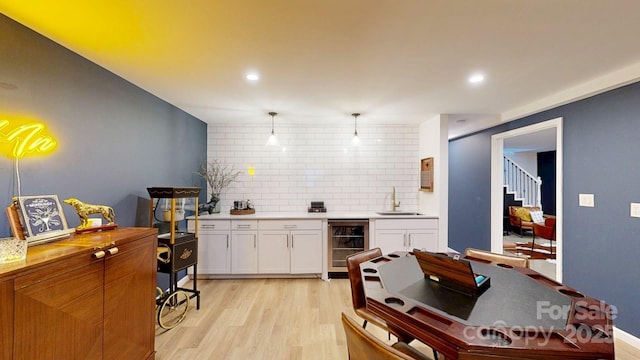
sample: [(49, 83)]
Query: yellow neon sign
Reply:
[(25, 138)]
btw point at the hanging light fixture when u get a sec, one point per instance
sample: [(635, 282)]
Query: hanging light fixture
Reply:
[(355, 141), (273, 140)]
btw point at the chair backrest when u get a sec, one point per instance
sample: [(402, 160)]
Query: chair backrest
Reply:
[(499, 258), (355, 277), (363, 345), (546, 230)]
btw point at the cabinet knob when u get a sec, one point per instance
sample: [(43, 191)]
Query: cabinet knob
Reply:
[(99, 254), (113, 250)]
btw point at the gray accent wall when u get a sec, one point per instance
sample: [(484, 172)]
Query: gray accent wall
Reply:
[(115, 139), (601, 138)]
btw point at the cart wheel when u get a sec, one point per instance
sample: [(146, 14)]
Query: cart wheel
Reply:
[(159, 294), (173, 310)]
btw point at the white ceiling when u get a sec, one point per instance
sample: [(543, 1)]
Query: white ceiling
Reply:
[(539, 141), (401, 61)]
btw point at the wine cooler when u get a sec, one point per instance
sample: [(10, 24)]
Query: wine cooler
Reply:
[(346, 237)]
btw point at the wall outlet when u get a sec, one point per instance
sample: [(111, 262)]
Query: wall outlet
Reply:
[(586, 200), (635, 210)]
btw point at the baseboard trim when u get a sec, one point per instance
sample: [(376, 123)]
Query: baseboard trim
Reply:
[(183, 281), (626, 337)]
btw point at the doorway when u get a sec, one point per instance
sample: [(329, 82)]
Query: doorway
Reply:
[(497, 196)]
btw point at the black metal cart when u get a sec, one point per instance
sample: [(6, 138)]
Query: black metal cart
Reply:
[(176, 251)]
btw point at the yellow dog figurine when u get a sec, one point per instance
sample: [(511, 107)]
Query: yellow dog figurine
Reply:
[(84, 210)]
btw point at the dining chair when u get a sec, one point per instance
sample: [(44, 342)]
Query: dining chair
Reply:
[(361, 344), (357, 288), (358, 297), (512, 260)]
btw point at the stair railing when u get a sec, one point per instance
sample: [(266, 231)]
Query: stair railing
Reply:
[(525, 186)]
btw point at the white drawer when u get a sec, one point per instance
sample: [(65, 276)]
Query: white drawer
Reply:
[(406, 224), (290, 224), (214, 225), (244, 224)]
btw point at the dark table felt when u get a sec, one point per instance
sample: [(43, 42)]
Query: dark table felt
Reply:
[(511, 301)]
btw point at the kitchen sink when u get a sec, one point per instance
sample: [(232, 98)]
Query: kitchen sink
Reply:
[(397, 213)]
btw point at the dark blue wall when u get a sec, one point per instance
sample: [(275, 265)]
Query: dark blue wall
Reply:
[(115, 139), (546, 162), (601, 137)]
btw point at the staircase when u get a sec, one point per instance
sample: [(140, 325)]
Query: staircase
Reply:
[(521, 185), (522, 189)]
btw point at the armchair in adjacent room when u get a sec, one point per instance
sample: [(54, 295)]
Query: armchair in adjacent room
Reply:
[(546, 230), (520, 217)]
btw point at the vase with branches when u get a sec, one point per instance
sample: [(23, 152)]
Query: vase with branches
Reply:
[(218, 176)]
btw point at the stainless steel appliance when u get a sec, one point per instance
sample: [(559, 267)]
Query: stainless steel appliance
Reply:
[(346, 237)]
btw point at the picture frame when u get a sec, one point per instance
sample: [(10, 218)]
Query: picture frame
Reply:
[(426, 174), (42, 218)]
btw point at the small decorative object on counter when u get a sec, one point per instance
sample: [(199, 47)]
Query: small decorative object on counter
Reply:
[(317, 206), (12, 249), (41, 218), (84, 210), (242, 207), (219, 176)]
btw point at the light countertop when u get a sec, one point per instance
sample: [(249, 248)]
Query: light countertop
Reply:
[(304, 215)]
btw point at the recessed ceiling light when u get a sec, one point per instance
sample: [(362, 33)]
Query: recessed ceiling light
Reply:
[(253, 76), (476, 78)]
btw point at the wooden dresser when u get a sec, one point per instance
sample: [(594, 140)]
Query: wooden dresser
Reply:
[(90, 296)]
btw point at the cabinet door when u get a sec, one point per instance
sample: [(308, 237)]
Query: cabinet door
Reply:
[(6, 319), (391, 240), (129, 307), (214, 255), (423, 240), (244, 252), (59, 311), (306, 252), (273, 252)]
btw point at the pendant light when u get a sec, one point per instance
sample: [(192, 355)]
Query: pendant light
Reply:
[(273, 140), (355, 141)]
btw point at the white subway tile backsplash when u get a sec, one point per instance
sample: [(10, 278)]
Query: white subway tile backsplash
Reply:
[(319, 164)]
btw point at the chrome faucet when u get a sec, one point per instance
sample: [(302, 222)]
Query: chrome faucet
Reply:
[(394, 205)]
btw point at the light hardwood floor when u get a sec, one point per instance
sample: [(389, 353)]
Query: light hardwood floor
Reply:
[(273, 319)]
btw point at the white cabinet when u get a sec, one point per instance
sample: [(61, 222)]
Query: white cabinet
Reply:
[(214, 247), (406, 234), (290, 247), (251, 247), (274, 253), (244, 246)]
